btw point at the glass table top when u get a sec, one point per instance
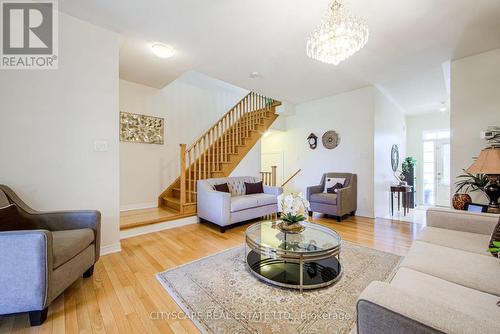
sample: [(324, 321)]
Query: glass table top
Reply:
[(314, 238)]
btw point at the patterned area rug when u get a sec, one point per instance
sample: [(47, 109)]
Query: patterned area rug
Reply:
[(220, 295)]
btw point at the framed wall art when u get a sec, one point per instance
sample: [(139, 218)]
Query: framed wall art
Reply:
[(138, 128)]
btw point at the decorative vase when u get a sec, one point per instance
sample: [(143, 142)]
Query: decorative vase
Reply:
[(294, 228), (459, 201)]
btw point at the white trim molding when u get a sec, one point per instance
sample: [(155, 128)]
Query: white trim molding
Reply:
[(133, 232), (138, 206), (113, 248)]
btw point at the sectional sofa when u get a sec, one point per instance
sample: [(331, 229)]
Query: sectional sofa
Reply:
[(448, 282)]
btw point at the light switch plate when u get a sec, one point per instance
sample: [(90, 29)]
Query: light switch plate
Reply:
[(100, 146)]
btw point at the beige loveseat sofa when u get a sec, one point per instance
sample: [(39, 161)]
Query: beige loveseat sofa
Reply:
[(448, 282)]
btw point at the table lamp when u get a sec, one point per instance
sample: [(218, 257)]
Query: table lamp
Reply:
[(488, 163)]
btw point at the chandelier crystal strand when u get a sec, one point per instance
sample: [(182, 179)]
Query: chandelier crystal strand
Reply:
[(338, 37)]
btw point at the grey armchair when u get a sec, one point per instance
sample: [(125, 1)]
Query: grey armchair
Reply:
[(340, 204), (45, 255)]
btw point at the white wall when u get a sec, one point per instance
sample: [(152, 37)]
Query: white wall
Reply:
[(416, 125), (475, 105), (190, 105), (390, 129), (50, 119), (250, 164), (351, 115)]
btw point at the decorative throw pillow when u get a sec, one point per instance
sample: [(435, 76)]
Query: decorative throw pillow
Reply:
[(495, 236), (222, 187), (331, 181), (10, 219), (254, 188), (333, 190)]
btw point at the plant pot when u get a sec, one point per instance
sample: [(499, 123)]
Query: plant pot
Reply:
[(290, 228), (459, 201)]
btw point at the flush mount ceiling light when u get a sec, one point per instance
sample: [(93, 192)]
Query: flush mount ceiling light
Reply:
[(338, 36), (162, 50), (443, 107)]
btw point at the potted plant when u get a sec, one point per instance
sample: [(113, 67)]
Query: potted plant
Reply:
[(408, 164), (293, 211), (468, 183)]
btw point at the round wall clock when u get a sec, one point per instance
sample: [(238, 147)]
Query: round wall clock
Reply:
[(394, 157), (330, 140)]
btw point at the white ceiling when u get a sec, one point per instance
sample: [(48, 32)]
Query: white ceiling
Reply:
[(228, 39)]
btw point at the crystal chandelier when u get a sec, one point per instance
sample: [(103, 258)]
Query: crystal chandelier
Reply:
[(338, 37)]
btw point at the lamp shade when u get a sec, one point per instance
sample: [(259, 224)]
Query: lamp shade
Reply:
[(488, 162)]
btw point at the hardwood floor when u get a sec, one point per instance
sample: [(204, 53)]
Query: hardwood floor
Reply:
[(123, 292)]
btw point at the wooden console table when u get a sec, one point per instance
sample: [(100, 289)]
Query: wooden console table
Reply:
[(406, 191)]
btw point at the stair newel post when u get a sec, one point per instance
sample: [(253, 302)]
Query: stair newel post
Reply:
[(273, 176), (183, 177)]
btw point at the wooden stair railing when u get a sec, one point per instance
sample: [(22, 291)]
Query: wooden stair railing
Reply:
[(217, 151), (269, 178), (291, 177)]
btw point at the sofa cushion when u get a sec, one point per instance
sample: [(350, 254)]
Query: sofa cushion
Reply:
[(222, 187), (254, 188), (477, 305), (244, 202), (324, 198), (265, 199), (331, 181), (471, 270), (471, 242), (69, 243)]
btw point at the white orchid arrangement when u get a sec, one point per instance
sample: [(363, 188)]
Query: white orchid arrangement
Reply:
[(293, 208)]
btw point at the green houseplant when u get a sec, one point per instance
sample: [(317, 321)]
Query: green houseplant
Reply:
[(467, 183), (408, 164), (470, 182)]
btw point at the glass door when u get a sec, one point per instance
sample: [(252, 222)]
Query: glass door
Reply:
[(436, 168)]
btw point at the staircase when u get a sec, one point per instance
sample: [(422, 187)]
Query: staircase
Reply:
[(219, 150)]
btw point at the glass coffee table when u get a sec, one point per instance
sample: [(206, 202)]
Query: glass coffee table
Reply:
[(307, 260)]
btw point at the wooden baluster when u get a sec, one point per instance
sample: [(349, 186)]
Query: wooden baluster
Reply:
[(205, 157), (213, 149), (239, 122), (188, 163), (226, 133), (183, 177), (209, 167), (247, 115), (219, 138), (235, 127), (199, 160)]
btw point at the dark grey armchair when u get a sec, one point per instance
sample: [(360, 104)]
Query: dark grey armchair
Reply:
[(44, 255), (340, 204)]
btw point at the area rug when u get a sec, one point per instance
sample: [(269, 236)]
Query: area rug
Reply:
[(220, 295)]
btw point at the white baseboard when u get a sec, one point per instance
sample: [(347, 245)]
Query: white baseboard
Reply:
[(114, 248), (133, 232), (138, 206)]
